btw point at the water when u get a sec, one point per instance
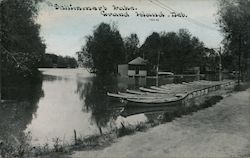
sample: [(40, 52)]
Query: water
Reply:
[(66, 100)]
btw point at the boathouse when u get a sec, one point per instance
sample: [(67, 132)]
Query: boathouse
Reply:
[(137, 68)]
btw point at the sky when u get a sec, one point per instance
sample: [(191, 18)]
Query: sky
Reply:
[(64, 31)]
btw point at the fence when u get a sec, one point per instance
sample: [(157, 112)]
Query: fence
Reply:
[(206, 91)]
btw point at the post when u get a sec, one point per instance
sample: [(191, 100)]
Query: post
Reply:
[(75, 137), (157, 69), (100, 129), (220, 66), (0, 78), (239, 60)]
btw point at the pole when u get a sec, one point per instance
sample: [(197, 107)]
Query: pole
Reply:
[(157, 69), (0, 78), (75, 137), (239, 60), (220, 66)]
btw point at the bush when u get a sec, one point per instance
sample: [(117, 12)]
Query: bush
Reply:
[(241, 87), (125, 130), (169, 116)]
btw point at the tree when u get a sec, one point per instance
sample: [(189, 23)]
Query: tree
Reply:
[(52, 60), (104, 50), (20, 42), (189, 51), (173, 51), (151, 48), (131, 44), (85, 59), (234, 20), (170, 50)]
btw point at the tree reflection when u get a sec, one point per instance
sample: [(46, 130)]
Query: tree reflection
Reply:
[(94, 94), (17, 110)]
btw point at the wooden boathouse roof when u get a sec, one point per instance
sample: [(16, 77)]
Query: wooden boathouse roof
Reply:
[(138, 61)]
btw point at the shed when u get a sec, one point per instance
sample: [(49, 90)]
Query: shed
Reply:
[(137, 67)]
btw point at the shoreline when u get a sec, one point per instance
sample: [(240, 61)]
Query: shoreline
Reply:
[(216, 131), (98, 142)]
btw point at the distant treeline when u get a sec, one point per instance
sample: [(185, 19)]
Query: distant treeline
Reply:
[(52, 60), (105, 49)]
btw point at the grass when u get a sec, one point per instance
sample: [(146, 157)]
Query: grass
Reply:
[(125, 130), (210, 101), (241, 87)]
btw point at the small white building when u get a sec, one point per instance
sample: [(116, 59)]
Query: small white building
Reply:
[(123, 70), (137, 68)]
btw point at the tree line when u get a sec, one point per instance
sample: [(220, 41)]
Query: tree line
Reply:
[(52, 61), (234, 21), (173, 51)]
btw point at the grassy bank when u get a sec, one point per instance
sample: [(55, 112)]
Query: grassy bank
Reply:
[(242, 86)]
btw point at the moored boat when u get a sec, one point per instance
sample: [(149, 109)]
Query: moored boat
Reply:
[(131, 96), (116, 97), (181, 95), (174, 101), (152, 90), (135, 92), (159, 88), (121, 97)]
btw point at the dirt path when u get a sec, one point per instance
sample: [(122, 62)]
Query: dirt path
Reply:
[(219, 131)]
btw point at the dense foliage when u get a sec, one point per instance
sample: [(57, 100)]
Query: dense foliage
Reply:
[(52, 60), (151, 48), (104, 50), (234, 20), (21, 46), (131, 44), (101, 113), (174, 51)]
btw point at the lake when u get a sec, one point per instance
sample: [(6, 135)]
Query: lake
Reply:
[(66, 100)]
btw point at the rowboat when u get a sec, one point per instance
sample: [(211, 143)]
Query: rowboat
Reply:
[(171, 86), (181, 95), (116, 97), (158, 88), (121, 97), (135, 92), (113, 97), (160, 98), (152, 90), (174, 101), (146, 93), (129, 96)]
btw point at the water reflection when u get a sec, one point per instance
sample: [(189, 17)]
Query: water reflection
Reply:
[(18, 109), (53, 78), (96, 101), (104, 112), (65, 100)]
